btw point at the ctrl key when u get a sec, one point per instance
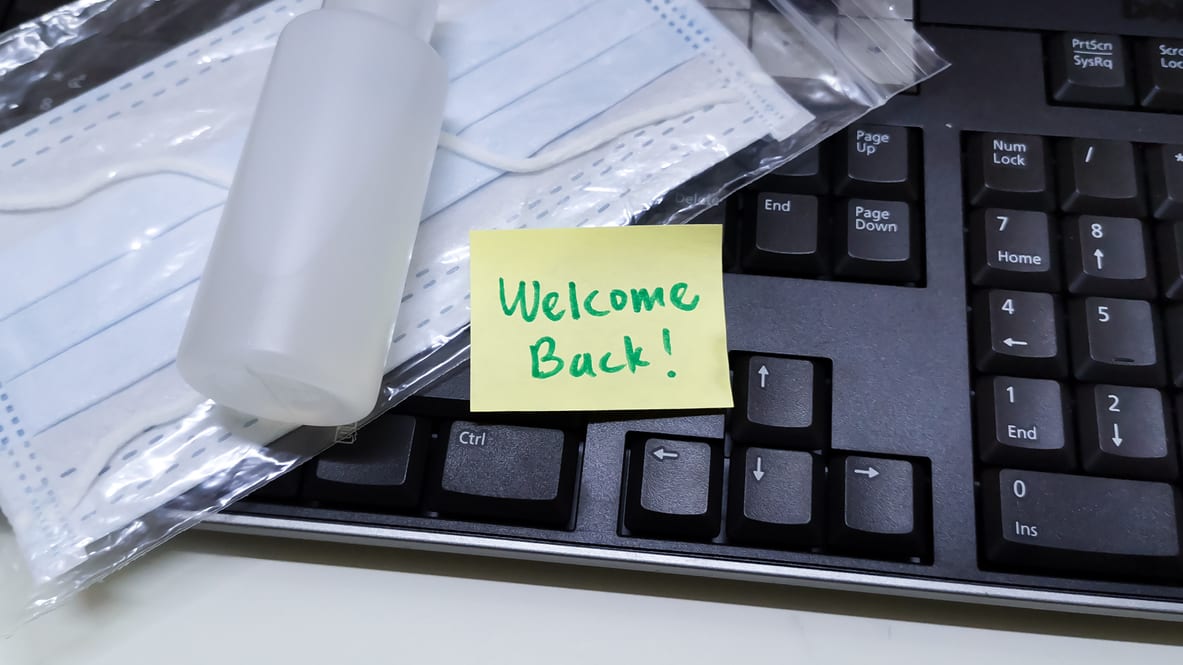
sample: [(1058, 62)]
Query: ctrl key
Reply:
[(508, 474), (1064, 523)]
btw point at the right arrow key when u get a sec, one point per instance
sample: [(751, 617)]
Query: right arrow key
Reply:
[(878, 507), (782, 402)]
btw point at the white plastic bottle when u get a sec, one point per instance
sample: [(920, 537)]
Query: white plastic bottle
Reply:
[(298, 301)]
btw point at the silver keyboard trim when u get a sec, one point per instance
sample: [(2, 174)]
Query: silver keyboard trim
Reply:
[(930, 589)]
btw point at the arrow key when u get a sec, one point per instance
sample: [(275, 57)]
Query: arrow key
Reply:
[(674, 489), (782, 402), (1108, 256), (775, 498), (1019, 333), (1124, 432), (878, 508)]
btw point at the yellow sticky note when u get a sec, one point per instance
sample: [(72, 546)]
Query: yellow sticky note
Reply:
[(598, 319)]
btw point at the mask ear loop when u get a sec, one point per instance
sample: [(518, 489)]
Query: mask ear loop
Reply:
[(590, 141), (96, 182), (162, 415)]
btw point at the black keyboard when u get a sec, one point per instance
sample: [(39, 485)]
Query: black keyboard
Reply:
[(956, 335)]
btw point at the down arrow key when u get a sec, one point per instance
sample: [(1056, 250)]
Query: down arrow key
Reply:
[(776, 497)]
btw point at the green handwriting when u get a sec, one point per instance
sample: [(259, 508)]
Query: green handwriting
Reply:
[(528, 298)]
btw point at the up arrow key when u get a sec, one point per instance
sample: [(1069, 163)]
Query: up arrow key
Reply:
[(763, 376)]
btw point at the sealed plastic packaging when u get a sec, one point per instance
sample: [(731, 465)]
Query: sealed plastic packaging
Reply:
[(122, 122)]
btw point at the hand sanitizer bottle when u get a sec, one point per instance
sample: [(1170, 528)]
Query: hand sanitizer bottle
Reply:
[(296, 308)]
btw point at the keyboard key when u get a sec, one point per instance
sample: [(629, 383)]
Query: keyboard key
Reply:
[(1170, 259), (675, 489), (1124, 431), (1090, 69), (1013, 249), (1107, 256), (1024, 422), (787, 236), (1116, 341), (876, 508), (507, 473), (1160, 74), (1174, 318), (807, 174), (1010, 171), (1066, 524), (1100, 177), (381, 470), (776, 498), (878, 240), (1019, 333), (782, 402), (878, 161), (1164, 172)]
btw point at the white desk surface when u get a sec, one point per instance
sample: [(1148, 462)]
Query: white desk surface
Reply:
[(213, 599)]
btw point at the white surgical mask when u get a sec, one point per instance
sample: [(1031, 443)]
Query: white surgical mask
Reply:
[(98, 427)]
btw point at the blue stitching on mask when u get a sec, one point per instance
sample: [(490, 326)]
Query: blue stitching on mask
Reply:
[(163, 233), (148, 75), (106, 327)]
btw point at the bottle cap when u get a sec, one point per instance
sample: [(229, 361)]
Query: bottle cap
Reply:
[(418, 16)]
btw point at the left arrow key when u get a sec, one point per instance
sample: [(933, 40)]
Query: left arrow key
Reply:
[(675, 488)]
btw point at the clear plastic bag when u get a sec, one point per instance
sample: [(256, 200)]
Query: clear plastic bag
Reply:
[(120, 126)]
